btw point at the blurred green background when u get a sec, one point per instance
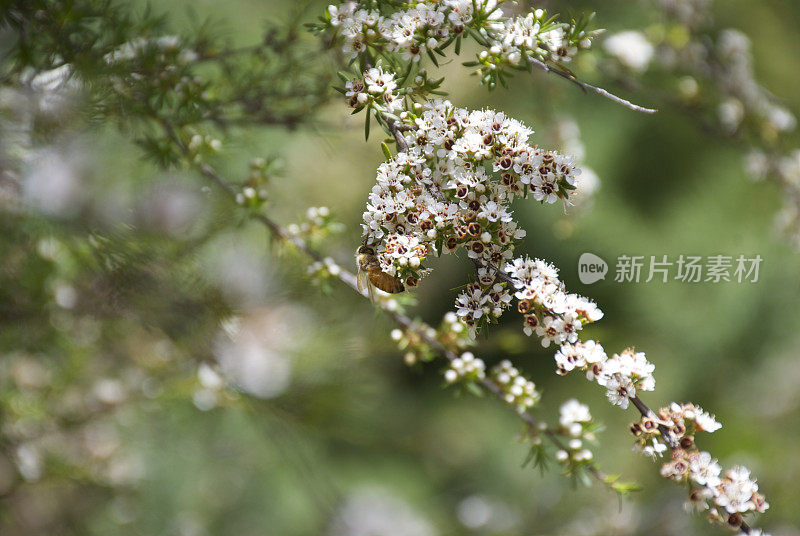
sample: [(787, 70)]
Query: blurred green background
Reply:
[(331, 433)]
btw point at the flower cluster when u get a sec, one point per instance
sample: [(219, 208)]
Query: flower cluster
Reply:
[(549, 311), (377, 88), (452, 334), (672, 427), (727, 496), (518, 391), (573, 416), (681, 421), (422, 28), (576, 427), (428, 27), (621, 374), (321, 271), (452, 188), (465, 368), (534, 34)]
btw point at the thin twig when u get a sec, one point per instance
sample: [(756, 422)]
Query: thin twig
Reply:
[(588, 87), (400, 140)]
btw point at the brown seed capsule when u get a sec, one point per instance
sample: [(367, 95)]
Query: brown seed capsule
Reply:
[(412, 281), (687, 442), (649, 424), (735, 520), (474, 228), (636, 429), (531, 321), (524, 306), (695, 495)]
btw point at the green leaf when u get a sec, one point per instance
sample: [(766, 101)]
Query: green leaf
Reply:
[(473, 388), (386, 152), (366, 126), (458, 45), (619, 486)]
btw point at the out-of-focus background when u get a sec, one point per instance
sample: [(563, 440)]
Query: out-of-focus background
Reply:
[(130, 297)]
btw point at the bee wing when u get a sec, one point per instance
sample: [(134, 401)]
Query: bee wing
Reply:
[(364, 285)]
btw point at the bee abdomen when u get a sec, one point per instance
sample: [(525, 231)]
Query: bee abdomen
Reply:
[(386, 282)]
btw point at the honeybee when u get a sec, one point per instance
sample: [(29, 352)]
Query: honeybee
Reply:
[(370, 275)]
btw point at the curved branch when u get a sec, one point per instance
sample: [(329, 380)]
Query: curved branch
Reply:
[(588, 87)]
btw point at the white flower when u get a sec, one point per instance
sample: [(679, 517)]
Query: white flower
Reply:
[(706, 422), (631, 48), (620, 389), (572, 412), (580, 355), (704, 469), (519, 392), (735, 492), (379, 82), (465, 367), (655, 450), (471, 302)]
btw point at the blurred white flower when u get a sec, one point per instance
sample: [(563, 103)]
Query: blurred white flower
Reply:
[(254, 353), (171, 207), (241, 272), (109, 391), (373, 512), (29, 462), (631, 48), (480, 512), (53, 184)]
